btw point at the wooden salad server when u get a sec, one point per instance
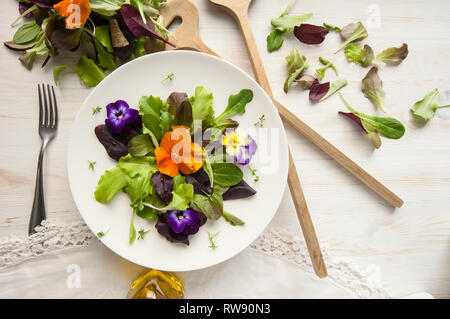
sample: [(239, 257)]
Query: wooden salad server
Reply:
[(186, 36), (239, 10)]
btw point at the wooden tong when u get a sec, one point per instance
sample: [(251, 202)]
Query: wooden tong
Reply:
[(187, 36)]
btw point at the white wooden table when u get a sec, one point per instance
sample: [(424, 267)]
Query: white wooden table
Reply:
[(411, 245)]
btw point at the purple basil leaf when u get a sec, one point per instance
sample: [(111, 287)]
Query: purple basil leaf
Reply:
[(318, 91), (164, 186), (125, 52), (23, 6), (113, 146), (238, 191), (134, 22), (45, 4), (310, 34), (129, 131), (18, 47), (164, 229), (200, 181), (355, 119)]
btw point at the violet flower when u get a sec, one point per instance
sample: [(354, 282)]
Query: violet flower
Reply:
[(165, 229), (120, 114), (186, 222), (240, 146)]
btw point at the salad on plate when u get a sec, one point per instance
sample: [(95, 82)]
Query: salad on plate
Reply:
[(176, 160)]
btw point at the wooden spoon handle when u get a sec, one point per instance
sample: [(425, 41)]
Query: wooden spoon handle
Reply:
[(303, 128), (306, 223)]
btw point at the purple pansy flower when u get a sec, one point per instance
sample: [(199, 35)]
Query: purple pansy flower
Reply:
[(165, 229), (240, 146), (120, 114), (184, 222)]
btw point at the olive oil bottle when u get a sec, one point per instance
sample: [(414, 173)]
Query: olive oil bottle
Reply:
[(155, 284)]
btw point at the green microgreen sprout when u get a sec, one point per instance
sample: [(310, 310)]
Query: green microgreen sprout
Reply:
[(92, 165), (96, 110), (212, 240), (168, 78), (261, 120)]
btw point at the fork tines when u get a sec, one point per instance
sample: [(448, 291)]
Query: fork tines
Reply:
[(48, 108)]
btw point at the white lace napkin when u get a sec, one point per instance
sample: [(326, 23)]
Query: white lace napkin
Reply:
[(68, 261)]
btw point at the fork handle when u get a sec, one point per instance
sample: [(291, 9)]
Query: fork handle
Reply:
[(38, 211)]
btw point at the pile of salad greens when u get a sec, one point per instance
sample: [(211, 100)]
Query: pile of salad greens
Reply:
[(371, 84), (169, 174), (106, 33)]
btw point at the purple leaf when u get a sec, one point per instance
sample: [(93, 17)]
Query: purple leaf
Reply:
[(113, 146), (355, 119), (318, 91), (23, 6), (45, 4), (164, 186), (200, 181), (310, 34), (138, 28), (238, 191)]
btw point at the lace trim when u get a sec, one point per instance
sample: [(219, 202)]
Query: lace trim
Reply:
[(281, 243), (50, 237), (286, 244)]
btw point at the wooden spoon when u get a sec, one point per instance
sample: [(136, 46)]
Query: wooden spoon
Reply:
[(186, 36), (239, 10)]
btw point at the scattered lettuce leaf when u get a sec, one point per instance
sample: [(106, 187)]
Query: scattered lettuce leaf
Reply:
[(275, 40), (296, 65), (310, 34), (393, 56), (372, 87), (318, 90), (284, 23), (110, 184), (306, 81), (332, 27), (367, 128), (356, 54), (386, 126), (105, 59), (426, 108), (327, 64), (351, 33), (353, 53)]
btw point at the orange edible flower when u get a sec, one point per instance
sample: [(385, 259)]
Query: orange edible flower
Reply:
[(76, 12), (178, 153)]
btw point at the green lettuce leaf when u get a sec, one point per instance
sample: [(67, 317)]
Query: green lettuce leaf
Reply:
[(233, 220), (334, 87), (393, 56), (202, 106), (296, 65), (133, 166), (351, 33), (89, 72), (27, 33), (386, 126), (110, 184), (236, 105), (140, 145), (426, 108), (155, 115), (275, 40), (211, 206), (372, 87)]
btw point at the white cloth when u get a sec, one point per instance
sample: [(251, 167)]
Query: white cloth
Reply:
[(67, 261)]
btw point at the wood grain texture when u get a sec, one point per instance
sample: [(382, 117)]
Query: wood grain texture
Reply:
[(410, 246)]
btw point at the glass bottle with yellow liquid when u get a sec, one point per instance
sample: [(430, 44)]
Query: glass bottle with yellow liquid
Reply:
[(156, 284)]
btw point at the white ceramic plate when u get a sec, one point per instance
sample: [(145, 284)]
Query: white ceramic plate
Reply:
[(143, 76)]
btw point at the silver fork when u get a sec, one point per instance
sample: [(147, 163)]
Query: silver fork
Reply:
[(48, 123)]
